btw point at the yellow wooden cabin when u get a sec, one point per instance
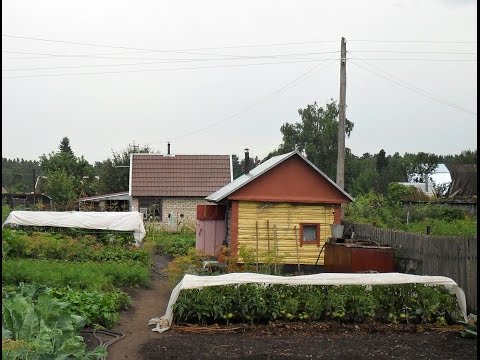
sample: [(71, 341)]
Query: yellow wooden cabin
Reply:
[(284, 208)]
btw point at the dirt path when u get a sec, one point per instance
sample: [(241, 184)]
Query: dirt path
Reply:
[(147, 303)]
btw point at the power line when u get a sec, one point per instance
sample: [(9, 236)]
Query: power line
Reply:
[(197, 60), (417, 59), (165, 69), (412, 88), (239, 57), (159, 50), (417, 88), (416, 52), (289, 85), (232, 57), (414, 41)]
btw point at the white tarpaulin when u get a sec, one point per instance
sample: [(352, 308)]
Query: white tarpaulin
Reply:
[(118, 221), (195, 282)]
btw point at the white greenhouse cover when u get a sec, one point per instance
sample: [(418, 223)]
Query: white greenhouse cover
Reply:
[(118, 221), (195, 282)]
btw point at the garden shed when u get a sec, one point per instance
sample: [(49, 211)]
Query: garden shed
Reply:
[(283, 208)]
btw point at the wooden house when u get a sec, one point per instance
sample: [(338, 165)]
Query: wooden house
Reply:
[(285, 206)]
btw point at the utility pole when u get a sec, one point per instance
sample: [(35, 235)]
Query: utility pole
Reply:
[(341, 116)]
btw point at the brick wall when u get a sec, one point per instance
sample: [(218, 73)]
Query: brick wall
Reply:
[(182, 211)]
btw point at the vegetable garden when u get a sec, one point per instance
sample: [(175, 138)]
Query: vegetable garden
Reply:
[(56, 284)]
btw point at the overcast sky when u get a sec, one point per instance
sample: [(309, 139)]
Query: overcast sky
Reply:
[(215, 77)]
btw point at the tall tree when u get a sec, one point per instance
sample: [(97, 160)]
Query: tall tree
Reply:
[(114, 172), (64, 167), (316, 136), (61, 187), (65, 146), (17, 175)]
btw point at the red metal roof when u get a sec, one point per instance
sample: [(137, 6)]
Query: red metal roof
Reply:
[(179, 175)]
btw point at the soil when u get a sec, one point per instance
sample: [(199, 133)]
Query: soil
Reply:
[(279, 340)]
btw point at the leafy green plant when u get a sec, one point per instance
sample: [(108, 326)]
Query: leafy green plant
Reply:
[(97, 307), (5, 212), (470, 327), (43, 329), (172, 243)]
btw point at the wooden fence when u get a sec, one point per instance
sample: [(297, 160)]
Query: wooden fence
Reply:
[(453, 257)]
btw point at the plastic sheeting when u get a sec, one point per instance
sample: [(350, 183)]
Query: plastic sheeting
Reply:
[(195, 282), (117, 221)]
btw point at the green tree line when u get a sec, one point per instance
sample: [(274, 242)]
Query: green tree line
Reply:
[(66, 177)]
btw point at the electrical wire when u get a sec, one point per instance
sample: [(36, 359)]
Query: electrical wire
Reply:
[(240, 57), (182, 51), (410, 87), (165, 69), (413, 41), (264, 99), (416, 52), (417, 59), (191, 49), (167, 61)]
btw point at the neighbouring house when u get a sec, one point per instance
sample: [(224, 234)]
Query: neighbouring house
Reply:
[(116, 202), (285, 207), (4, 191), (167, 188), (439, 181), (453, 185)]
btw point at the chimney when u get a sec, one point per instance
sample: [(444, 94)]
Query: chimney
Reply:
[(168, 148), (247, 162)]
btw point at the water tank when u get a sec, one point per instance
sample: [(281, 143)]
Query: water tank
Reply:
[(337, 230)]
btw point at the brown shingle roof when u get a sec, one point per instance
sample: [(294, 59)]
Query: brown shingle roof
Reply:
[(179, 175)]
